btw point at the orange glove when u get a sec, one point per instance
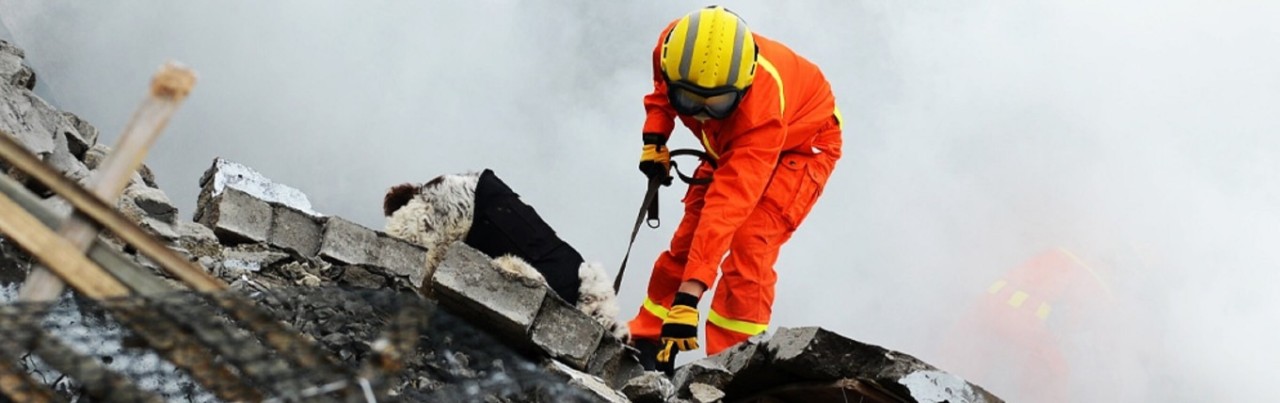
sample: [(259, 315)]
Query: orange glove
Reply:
[(680, 329)]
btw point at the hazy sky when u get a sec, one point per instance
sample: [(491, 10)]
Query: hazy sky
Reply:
[(978, 134)]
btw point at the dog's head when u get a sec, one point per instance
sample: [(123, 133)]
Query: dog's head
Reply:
[(433, 214)]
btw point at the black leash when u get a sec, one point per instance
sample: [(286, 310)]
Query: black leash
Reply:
[(649, 208)]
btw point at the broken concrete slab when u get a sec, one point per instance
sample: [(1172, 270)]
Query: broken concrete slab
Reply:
[(12, 70), (346, 242), (704, 393), (614, 362), (468, 282), (705, 372), (811, 361), (818, 354), (95, 155), (931, 386), (198, 239), (565, 333), (84, 137), (237, 217), (32, 121), (150, 201), (295, 231), (587, 383), (226, 174), (650, 387), (402, 258)]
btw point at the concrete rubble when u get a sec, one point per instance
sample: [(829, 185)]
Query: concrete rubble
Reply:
[(261, 236)]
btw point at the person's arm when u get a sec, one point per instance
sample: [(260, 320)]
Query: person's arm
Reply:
[(659, 115), (737, 185)]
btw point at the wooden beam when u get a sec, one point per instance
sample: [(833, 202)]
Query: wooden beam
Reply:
[(54, 251), (286, 341), (133, 275), (66, 261), (169, 87), (99, 211)]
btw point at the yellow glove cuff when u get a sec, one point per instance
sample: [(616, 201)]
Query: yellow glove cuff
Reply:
[(682, 314), (656, 153)]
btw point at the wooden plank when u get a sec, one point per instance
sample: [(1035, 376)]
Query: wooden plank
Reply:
[(63, 259), (291, 346), (54, 251), (133, 275), (106, 215), (169, 87), (277, 335)]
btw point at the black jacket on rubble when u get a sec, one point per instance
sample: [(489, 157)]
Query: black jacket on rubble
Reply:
[(504, 225)]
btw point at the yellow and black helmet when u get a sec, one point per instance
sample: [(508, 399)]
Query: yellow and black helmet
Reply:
[(710, 48)]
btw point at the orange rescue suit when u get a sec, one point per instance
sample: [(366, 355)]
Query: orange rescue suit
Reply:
[(775, 153)]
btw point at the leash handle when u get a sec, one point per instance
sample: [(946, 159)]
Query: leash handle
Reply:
[(649, 208)]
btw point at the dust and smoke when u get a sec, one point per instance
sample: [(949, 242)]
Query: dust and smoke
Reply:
[(1139, 135)]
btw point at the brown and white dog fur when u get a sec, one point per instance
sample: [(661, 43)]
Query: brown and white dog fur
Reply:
[(440, 212)]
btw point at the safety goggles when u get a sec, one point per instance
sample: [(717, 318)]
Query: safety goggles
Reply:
[(689, 99)]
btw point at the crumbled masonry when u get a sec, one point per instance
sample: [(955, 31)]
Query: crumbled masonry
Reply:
[(485, 334)]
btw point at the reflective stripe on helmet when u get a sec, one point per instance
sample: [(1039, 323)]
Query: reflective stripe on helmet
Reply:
[(740, 326), (690, 42), (710, 48)]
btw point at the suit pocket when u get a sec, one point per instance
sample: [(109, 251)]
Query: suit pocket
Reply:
[(794, 189)]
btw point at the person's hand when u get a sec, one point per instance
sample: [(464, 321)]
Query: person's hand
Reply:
[(680, 329), (655, 158)]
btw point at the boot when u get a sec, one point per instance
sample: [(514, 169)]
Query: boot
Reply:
[(649, 357)]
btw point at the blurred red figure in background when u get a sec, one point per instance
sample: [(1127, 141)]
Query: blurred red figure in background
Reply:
[(1018, 338)]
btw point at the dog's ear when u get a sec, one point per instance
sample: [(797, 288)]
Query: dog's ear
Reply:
[(397, 197)]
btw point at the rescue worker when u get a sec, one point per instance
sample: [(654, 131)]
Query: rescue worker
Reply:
[(769, 119), (1015, 337)]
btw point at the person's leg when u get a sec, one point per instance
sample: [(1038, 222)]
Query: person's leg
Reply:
[(743, 301), (646, 327)]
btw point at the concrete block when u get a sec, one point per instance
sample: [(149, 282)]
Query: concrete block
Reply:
[(614, 362), (348, 243), (586, 383), (468, 284), (296, 231), (752, 369), (704, 372), (815, 353), (651, 387), (938, 386), (84, 137), (565, 333), (819, 354), (704, 393), (152, 202), (237, 217), (402, 258)]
